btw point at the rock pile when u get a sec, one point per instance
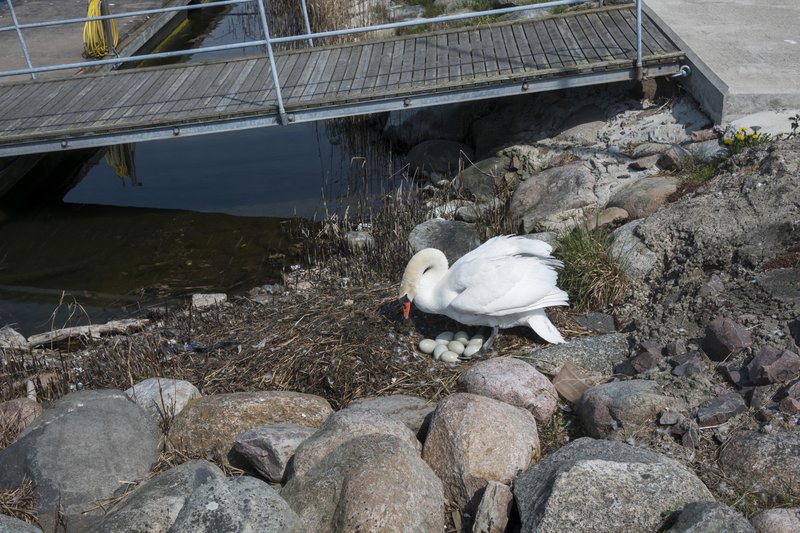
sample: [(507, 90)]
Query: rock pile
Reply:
[(693, 404)]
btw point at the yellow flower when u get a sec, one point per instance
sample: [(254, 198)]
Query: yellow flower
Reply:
[(739, 136), (743, 128), (753, 135)]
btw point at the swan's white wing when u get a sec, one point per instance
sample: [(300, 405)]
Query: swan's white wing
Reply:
[(508, 245), (502, 286)]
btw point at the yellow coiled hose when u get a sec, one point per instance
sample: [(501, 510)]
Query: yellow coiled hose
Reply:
[(94, 35)]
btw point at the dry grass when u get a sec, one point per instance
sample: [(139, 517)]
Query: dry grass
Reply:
[(339, 343), (20, 502)]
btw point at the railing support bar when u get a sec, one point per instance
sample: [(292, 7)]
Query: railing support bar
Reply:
[(308, 23), (107, 30), (281, 110), (639, 69), (21, 38)]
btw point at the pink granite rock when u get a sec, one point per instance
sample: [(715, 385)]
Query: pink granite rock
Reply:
[(514, 382), (473, 440)]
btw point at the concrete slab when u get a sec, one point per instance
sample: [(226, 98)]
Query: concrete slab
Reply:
[(61, 44), (745, 54)]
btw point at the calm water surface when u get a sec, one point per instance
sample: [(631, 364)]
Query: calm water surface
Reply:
[(204, 213)]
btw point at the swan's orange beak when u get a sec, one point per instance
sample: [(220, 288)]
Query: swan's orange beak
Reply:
[(406, 306)]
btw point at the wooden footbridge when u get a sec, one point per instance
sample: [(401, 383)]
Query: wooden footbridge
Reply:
[(486, 61)]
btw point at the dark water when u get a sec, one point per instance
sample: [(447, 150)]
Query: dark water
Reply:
[(201, 214)]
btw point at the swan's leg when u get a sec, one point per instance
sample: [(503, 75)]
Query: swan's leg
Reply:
[(487, 345)]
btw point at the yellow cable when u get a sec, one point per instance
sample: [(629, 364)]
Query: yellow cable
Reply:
[(94, 37)]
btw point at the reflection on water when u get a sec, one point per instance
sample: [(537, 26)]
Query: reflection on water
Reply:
[(276, 172), (198, 214)]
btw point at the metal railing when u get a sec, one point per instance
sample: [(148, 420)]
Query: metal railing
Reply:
[(267, 41)]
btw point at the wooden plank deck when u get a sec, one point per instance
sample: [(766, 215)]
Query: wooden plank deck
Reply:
[(440, 62)]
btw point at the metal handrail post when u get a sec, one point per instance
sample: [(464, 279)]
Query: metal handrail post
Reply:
[(639, 73), (281, 110), (107, 30), (308, 24), (21, 38)]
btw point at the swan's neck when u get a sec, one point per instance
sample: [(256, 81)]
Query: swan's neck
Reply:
[(428, 268)]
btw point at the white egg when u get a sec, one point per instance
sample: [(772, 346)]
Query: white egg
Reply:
[(427, 345), (477, 338), (471, 350), (449, 357), (455, 346), (462, 337), (444, 337), (439, 350)]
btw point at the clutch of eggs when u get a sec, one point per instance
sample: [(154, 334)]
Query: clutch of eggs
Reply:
[(450, 347)]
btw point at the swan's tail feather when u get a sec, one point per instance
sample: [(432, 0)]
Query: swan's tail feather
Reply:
[(539, 323)]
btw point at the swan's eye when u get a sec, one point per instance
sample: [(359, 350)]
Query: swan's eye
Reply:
[(424, 271)]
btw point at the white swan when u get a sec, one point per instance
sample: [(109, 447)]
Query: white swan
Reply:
[(505, 282)]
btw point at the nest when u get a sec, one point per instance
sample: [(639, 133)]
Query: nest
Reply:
[(341, 344)]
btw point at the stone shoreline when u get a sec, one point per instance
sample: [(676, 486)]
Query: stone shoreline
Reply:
[(679, 416)]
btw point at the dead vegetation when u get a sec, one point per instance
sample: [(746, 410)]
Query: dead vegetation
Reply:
[(20, 503), (339, 343)]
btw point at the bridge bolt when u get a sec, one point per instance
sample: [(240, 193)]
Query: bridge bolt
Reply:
[(64, 144), (406, 102), (524, 85), (176, 131)]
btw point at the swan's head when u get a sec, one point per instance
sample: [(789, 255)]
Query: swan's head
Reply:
[(422, 262), (408, 287)]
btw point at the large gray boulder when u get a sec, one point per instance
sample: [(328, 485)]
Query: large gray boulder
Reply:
[(598, 353), (155, 504), (413, 126), (485, 179), (163, 397), (641, 198), (710, 517), (553, 199), (342, 426), (242, 504), (630, 251), (453, 238), (602, 486), (583, 126), (209, 425), (9, 524), (473, 440), (616, 409), (82, 450), (369, 483), (414, 412), (438, 159), (766, 463)]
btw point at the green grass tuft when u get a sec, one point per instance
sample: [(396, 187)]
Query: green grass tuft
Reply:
[(591, 276)]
